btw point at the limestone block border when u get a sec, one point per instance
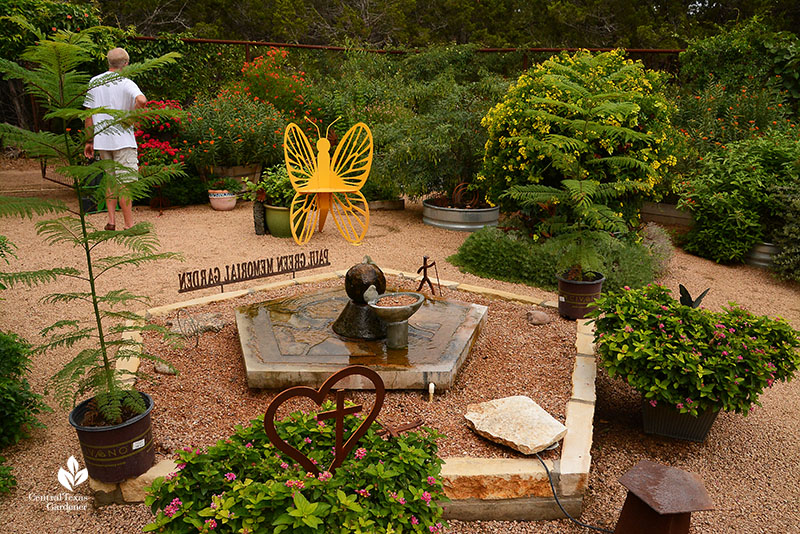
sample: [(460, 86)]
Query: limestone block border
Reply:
[(491, 488)]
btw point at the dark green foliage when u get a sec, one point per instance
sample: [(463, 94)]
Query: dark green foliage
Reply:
[(786, 200), (728, 196), (19, 405), (183, 191), (424, 112), (245, 484), (514, 257), (7, 480)]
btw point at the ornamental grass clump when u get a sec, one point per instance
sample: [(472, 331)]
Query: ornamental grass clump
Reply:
[(244, 484), (688, 358)]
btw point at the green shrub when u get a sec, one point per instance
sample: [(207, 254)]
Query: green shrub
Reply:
[(689, 358), (514, 257), (579, 116), (728, 197), (786, 200), (232, 129), (244, 484), (7, 480), (277, 186), (19, 405)]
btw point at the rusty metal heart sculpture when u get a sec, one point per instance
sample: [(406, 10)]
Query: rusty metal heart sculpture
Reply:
[(318, 396)]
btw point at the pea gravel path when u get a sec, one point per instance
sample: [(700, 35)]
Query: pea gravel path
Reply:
[(751, 465)]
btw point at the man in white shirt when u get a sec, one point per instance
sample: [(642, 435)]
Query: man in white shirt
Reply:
[(117, 143)]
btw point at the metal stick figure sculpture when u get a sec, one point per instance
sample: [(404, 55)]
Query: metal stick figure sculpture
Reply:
[(424, 271), (324, 184)]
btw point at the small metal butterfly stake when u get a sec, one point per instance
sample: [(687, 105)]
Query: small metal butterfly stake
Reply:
[(323, 184)]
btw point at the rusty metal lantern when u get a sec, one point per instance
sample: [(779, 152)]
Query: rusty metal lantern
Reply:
[(660, 500)]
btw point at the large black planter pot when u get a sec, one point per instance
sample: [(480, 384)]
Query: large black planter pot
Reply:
[(114, 453), (259, 217), (669, 422), (575, 296)]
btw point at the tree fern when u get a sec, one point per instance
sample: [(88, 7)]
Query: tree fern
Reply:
[(61, 90)]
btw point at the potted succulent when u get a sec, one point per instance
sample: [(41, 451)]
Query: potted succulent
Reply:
[(232, 135), (222, 193), (588, 227), (279, 193), (114, 422), (687, 362)]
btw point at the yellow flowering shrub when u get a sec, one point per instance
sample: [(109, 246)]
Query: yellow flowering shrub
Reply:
[(580, 116)]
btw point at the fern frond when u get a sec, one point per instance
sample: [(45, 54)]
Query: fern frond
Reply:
[(28, 207), (54, 298), (533, 194), (121, 296), (60, 324), (115, 262), (61, 230), (66, 340), (32, 278), (623, 162)]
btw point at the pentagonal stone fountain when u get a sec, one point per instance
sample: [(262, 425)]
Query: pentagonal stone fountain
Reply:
[(291, 341)]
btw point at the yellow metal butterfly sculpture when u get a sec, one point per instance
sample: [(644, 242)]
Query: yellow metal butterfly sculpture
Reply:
[(324, 184)]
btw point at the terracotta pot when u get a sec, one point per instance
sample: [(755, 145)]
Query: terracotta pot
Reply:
[(222, 199)]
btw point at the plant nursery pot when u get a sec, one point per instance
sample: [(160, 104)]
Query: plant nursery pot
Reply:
[(462, 219), (222, 199), (278, 221), (115, 453), (575, 296), (259, 217), (669, 422), (762, 255)]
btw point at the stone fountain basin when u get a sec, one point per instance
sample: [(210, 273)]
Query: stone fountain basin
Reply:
[(394, 313), (289, 341)]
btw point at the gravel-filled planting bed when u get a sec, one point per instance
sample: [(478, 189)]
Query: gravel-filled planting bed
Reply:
[(510, 357)]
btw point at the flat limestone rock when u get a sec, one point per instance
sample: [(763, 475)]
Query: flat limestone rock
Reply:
[(517, 422)]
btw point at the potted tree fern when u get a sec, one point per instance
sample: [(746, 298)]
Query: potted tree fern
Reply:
[(591, 227), (114, 423)]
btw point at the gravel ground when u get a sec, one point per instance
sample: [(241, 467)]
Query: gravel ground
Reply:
[(750, 464)]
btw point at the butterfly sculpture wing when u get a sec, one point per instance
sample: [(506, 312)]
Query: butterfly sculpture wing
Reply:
[(301, 163), (352, 159), (351, 164)]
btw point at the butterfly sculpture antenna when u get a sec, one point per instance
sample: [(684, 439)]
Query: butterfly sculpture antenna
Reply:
[(331, 124), (315, 126)]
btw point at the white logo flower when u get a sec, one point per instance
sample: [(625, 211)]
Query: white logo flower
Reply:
[(74, 477)]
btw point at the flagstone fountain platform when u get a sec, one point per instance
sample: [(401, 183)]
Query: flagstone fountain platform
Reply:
[(289, 341)]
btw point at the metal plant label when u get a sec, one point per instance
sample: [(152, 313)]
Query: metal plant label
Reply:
[(251, 270), (318, 396)]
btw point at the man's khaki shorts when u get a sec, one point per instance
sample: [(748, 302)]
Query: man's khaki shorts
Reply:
[(127, 157)]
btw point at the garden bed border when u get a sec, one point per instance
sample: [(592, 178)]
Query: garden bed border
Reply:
[(499, 489)]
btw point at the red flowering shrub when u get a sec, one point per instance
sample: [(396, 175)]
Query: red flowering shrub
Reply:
[(272, 79)]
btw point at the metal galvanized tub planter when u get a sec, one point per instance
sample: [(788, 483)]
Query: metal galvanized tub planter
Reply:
[(461, 219), (115, 453), (762, 255), (575, 296), (669, 422)]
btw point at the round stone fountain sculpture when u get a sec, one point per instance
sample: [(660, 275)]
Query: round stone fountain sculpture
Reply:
[(357, 320)]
